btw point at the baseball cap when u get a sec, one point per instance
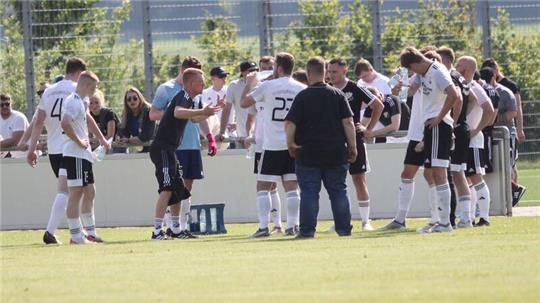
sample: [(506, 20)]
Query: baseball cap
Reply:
[(248, 65), (218, 72)]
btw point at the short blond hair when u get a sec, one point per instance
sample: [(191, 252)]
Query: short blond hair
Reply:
[(88, 75), (98, 94), (190, 73)]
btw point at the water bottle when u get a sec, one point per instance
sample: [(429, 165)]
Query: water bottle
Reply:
[(202, 221), (393, 81), (262, 75), (404, 75), (213, 218), (250, 154), (99, 152)]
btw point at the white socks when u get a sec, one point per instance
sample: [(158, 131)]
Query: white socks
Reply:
[(363, 207), (185, 208), (275, 211), (263, 206), (433, 204), (483, 196), (58, 211), (464, 204), (443, 195), (158, 225), (89, 223), (472, 210), (293, 208), (75, 229), (175, 224), (406, 192), (167, 218)]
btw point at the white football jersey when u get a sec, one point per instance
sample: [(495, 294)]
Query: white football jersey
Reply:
[(277, 97), (210, 96), (434, 84), (51, 103), (75, 108), (259, 127), (416, 122), (475, 114)]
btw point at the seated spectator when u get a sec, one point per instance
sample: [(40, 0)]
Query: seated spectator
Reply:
[(390, 117), (105, 118), (368, 76), (135, 125), (12, 127)]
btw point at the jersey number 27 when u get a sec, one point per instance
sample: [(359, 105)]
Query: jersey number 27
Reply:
[(280, 112)]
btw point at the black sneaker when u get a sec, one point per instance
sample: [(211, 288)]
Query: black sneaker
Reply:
[(517, 194), (169, 232), (160, 236), (292, 231), (173, 235), (188, 235), (482, 222), (261, 232), (49, 238)]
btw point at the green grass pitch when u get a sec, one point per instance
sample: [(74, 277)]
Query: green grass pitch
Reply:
[(496, 264)]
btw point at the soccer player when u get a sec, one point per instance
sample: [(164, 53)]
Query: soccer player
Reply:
[(356, 96), (414, 157), (390, 117), (49, 114), (459, 155), (439, 97), (169, 136), (486, 78), (277, 96), (480, 115), (77, 159), (189, 152)]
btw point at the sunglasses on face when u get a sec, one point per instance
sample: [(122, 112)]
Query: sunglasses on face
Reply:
[(5, 104), (132, 98)]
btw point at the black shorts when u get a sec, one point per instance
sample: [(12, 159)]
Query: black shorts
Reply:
[(56, 164), (276, 165), (412, 157), (488, 149), (475, 163), (191, 163), (361, 165), (79, 171), (460, 154), (169, 174), (437, 143), (256, 163)]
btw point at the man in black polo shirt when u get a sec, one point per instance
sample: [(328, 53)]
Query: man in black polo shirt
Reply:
[(168, 137), (357, 97), (321, 137)]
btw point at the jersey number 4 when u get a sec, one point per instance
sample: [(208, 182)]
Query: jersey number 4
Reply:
[(280, 112), (57, 109)]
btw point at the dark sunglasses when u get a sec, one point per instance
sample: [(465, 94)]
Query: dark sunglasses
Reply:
[(5, 104), (132, 98)]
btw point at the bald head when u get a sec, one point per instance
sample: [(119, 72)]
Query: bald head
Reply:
[(466, 66)]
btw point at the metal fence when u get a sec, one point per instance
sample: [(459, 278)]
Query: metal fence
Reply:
[(154, 32)]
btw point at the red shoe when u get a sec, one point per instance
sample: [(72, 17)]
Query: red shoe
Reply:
[(83, 241)]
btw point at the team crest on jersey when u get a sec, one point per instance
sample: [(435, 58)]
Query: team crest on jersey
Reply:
[(386, 114)]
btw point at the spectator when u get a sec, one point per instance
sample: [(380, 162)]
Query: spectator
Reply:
[(211, 95), (135, 125), (321, 137), (105, 118), (23, 142), (300, 76), (244, 120), (42, 87), (368, 76), (12, 127)]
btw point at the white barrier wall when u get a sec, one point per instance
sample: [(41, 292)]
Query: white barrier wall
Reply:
[(127, 189)]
